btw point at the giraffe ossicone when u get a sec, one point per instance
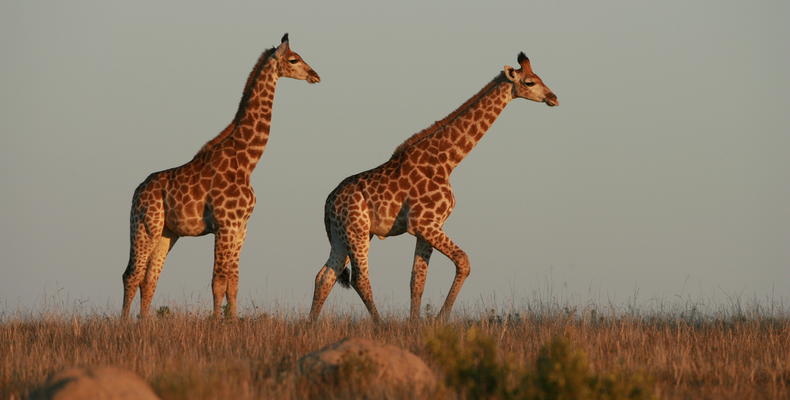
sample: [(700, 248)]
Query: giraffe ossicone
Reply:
[(211, 193), (411, 193)]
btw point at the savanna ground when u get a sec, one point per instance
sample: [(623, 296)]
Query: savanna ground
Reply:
[(683, 354)]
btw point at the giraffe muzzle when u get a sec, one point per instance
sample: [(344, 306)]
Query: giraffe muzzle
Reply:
[(551, 100), (313, 77)]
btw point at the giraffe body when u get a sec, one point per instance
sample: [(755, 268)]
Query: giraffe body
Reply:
[(211, 193), (411, 192)]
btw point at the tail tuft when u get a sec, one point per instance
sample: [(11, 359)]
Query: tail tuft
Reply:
[(345, 278)]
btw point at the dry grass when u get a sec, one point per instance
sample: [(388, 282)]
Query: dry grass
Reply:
[(190, 356)]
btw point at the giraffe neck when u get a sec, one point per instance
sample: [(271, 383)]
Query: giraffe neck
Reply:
[(253, 121), (464, 132), (246, 136), (452, 138)]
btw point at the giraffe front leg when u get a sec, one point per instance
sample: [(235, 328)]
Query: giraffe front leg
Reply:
[(224, 282), (434, 235), (233, 276), (419, 271), (232, 291), (154, 269)]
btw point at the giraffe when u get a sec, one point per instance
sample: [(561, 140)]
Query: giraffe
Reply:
[(211, 193), (411, 193)]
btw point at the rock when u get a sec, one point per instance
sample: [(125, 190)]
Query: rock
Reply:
[(101, 383), (369, 361)]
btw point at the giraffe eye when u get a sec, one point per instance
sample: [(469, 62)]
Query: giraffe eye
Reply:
[(293, 61), (529, 84)]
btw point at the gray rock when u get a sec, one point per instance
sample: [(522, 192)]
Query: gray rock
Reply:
[(382, 364)]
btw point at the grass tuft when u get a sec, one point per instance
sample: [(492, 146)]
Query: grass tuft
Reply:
[(474, 370)]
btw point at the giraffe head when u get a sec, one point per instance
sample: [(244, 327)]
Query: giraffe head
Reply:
[(528, 85), (291, 65)]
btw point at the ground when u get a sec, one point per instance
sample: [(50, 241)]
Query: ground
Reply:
[(188, 355)]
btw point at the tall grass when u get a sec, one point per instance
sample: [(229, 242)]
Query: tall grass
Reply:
[(734, 355)]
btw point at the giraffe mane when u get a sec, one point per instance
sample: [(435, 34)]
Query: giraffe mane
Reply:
[(252, 79), (441, 124)]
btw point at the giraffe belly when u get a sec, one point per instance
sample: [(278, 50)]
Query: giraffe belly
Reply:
[(189, 228), (188, 225), (394, 226)]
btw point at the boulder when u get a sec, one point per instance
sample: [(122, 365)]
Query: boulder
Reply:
[(380, 364), (100, 383)]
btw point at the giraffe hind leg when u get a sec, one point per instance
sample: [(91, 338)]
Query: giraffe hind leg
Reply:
[(358, 252), (327, 276), (345, 276), (139, 254), (154, 268)]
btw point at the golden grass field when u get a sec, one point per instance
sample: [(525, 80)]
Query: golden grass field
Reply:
[(189, 356)]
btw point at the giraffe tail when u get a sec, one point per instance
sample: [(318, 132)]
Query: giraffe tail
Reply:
[(345, 277)]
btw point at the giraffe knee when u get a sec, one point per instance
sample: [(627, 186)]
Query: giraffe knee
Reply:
[(319, 277), (219, 279), (129, 278), (462, 266)]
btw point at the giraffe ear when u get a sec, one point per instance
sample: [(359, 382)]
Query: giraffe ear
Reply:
[(522, 58), (523, 61), (283, 47), (510, 73)]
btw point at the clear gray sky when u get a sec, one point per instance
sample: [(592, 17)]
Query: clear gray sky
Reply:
[(664, 173)]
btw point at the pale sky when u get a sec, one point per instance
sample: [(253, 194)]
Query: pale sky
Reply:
[(664, 174)]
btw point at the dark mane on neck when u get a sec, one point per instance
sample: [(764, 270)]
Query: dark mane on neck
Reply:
[(249, 87), (441, 124)]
